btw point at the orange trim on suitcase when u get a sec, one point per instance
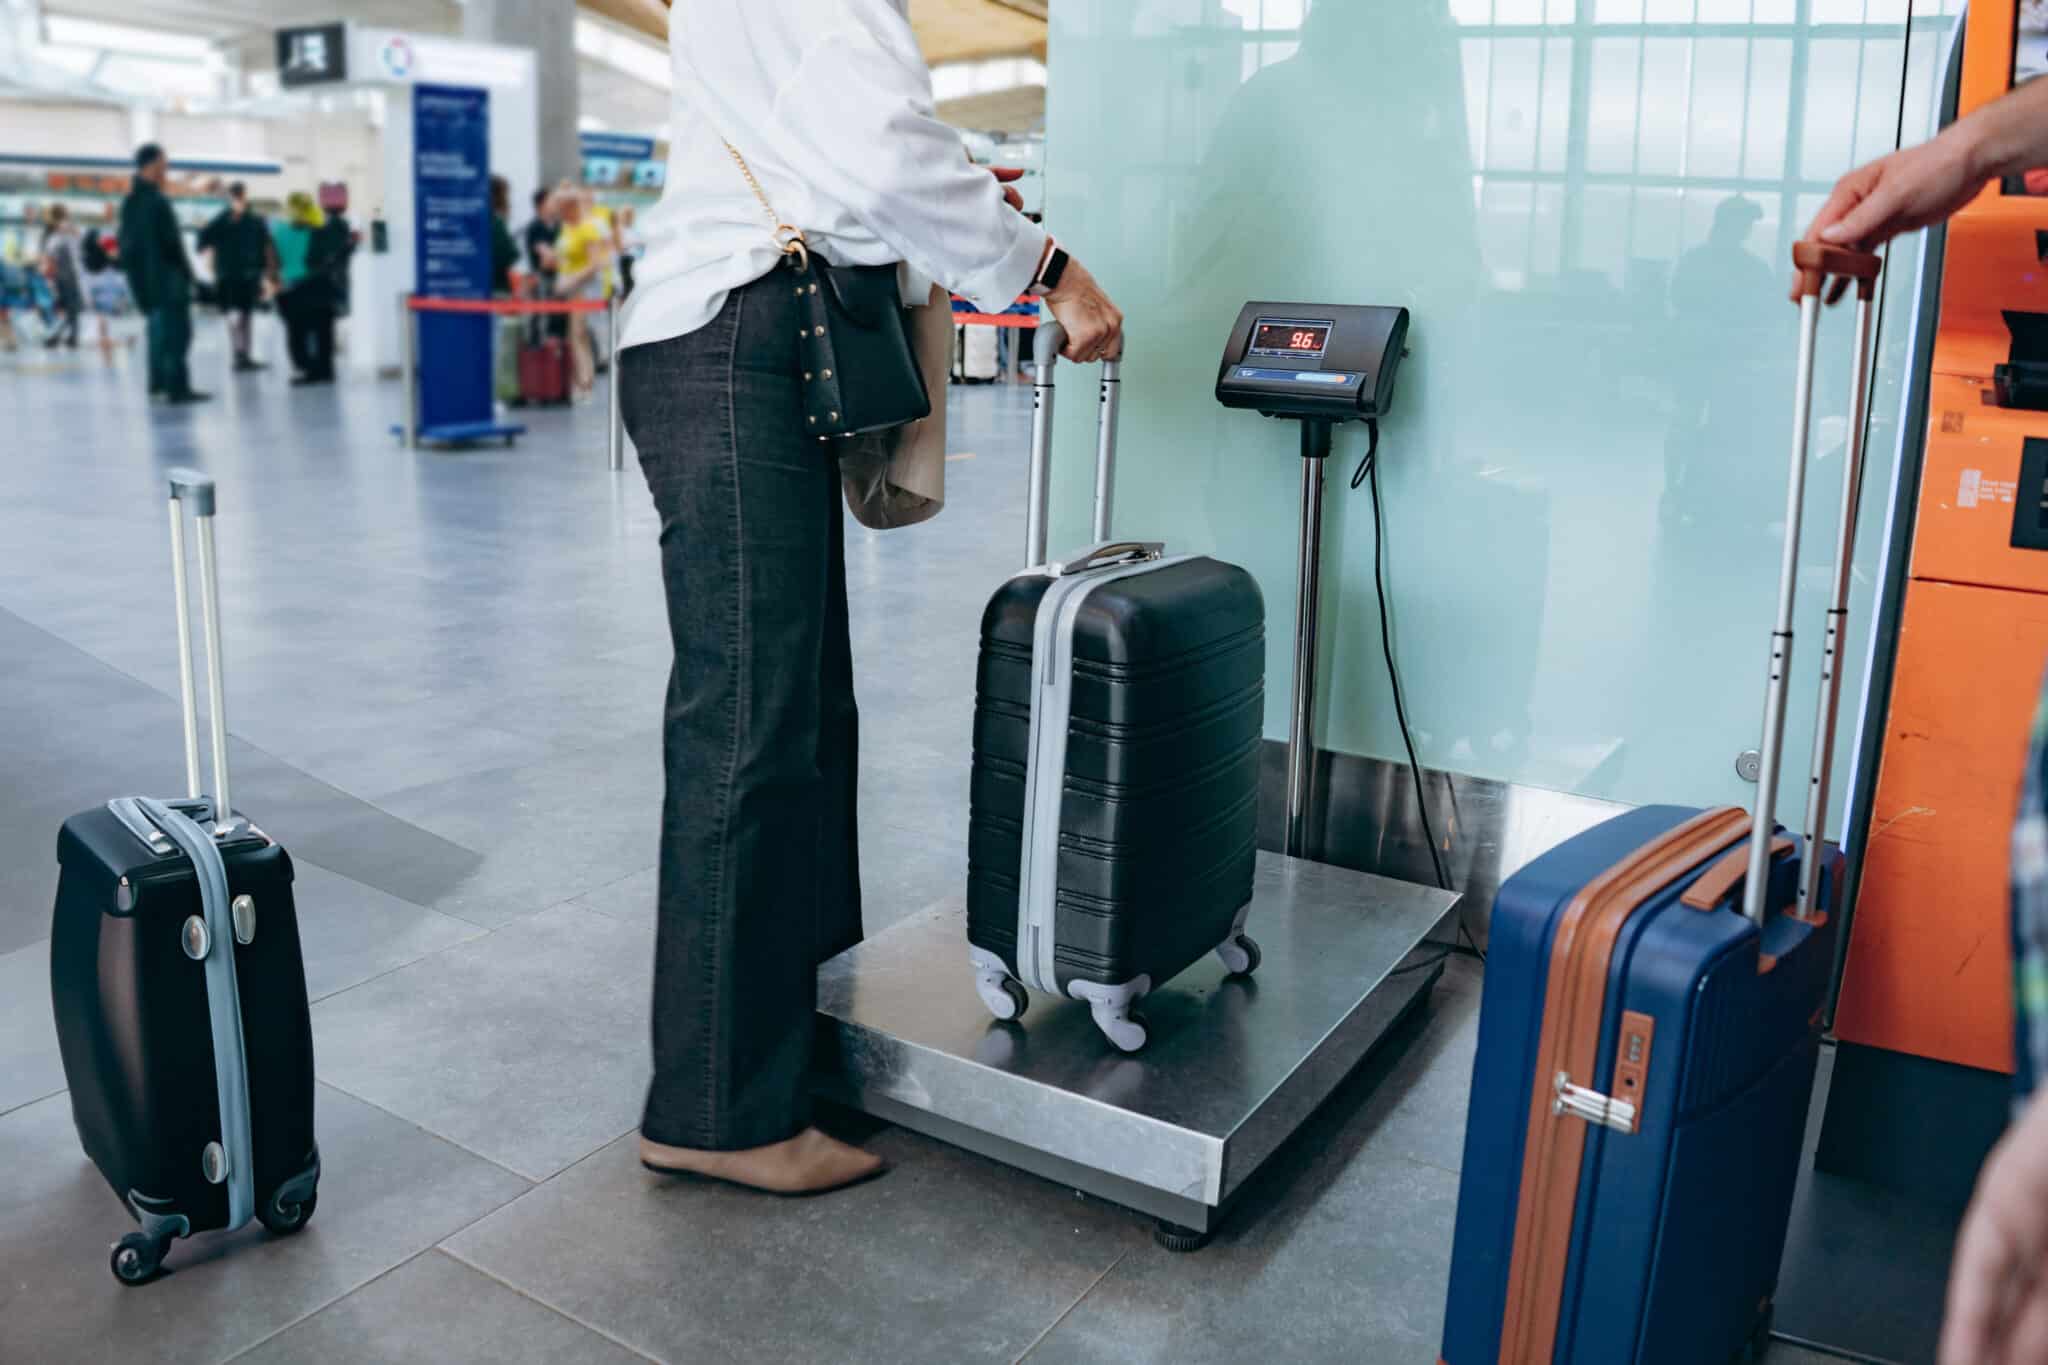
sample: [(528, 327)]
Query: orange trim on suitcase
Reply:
[(1575, 1000)]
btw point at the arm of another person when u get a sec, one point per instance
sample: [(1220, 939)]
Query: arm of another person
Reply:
[(1997, 1310), (853, 110), (1998, 1283), (1921, 185), (210, 239), (504, 254)]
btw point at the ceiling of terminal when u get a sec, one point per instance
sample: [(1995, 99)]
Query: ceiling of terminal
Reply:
[(225, 20), (951, 31), (948, 30)]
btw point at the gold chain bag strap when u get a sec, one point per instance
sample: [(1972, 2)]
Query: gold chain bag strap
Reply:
[(860, 373)]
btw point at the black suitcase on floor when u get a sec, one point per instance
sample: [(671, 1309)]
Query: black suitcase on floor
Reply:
[(1118, 722), (179, 989)]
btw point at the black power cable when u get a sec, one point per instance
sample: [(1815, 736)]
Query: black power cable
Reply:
[(1368, 473)]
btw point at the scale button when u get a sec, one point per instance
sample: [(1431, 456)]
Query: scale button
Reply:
[(1312, 377)]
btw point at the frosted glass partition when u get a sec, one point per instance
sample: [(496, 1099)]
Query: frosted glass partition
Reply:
[(1587, 206)]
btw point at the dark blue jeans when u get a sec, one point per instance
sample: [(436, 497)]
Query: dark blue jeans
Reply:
[(760, 877)]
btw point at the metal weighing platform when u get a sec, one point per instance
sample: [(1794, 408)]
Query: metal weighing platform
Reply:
[(1233, 1068)]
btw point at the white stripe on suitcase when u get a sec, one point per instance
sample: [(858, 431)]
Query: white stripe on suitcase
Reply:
[(223, 1006), (1052, 695)]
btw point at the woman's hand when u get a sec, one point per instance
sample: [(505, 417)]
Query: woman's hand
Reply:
[(1898, 193), (1006, 176), (1926, 184), (1094, 326)]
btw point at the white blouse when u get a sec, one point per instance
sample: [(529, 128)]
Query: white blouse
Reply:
[(831, 103)]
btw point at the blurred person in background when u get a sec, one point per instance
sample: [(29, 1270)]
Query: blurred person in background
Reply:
[(239, 241), (504, 250), (60, 267), (510, 326), (335, 247), (159, 276), (305, 287), (540, 235), (632, 245), (13, 294), (106, 292), (584, 254)]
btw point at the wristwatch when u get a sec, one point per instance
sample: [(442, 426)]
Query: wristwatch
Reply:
[(1055, 268)]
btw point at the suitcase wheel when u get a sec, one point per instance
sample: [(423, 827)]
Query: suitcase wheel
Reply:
[(137, 1257), (285, 1218), (1240, 955), (1116, 1010), (1002, 993), (1127, 1031)]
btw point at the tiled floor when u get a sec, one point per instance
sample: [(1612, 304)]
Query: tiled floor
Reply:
[(445, 675)]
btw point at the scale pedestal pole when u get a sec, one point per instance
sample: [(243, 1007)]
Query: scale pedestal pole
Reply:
[(1301, 749)]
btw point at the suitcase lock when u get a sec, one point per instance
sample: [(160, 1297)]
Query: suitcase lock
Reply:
[(195, 938), (213, 1163), (244, 913)]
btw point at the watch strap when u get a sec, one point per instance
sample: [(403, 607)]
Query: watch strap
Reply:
[(1055, 269)]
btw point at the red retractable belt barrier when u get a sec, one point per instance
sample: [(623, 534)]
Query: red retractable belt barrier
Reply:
[(1019, 320), (513, 306)]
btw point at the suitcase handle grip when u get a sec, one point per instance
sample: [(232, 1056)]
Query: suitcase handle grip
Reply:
[(1816, 261), (1727, 873), (1046, 346), (1111, 553), (189, 485)]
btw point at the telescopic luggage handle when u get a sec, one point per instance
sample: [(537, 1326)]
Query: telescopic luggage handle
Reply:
[(1817, 265), (190, 486), (1045, 356)]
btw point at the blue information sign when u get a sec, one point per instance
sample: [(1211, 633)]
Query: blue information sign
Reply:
[(617, 146), (452, 246)]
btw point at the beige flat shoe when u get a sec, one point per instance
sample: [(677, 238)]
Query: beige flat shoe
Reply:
[(809, 1163)]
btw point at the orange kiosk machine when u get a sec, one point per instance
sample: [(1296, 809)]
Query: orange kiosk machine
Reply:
[(1924, 1016)]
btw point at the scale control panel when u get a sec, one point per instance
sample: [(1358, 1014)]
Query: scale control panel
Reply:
[(1331, 361)]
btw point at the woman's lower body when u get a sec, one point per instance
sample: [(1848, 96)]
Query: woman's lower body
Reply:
[(309, 332), (582, 351), (759, 875)]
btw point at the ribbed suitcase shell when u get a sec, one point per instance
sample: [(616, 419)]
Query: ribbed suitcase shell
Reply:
[(132, 1022), (1159, 815), (1678, 1227)]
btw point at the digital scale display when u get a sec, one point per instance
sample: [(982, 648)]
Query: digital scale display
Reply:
[(1290, 340)]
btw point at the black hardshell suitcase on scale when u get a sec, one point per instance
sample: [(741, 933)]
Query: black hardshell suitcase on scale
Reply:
[(179, 988), (1119, 715)]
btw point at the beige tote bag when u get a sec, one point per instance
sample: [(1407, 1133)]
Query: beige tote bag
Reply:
[(898, 477)]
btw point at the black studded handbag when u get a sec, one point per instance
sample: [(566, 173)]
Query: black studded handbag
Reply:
[(860, 372)]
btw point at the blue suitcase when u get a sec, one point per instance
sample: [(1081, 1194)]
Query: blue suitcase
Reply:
[(1648, 1035)]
